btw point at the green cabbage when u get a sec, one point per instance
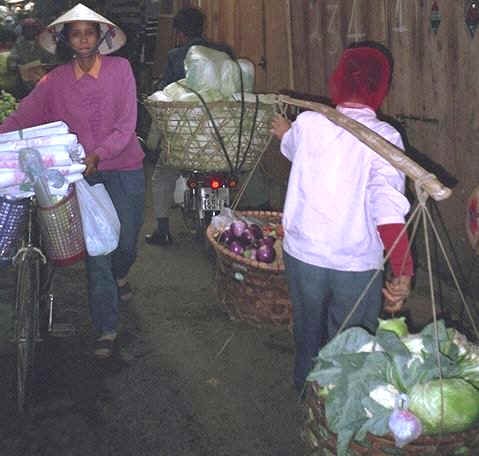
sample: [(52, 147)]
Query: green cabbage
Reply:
[(396, 325), (461, 405), (414, 344)]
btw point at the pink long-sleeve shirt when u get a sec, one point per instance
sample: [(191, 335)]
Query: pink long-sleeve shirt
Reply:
[(100, 111)]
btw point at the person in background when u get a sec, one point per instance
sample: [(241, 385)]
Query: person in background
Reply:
[(9, 22), (344, 206), (26, 50), (95, 94), (188, 25)]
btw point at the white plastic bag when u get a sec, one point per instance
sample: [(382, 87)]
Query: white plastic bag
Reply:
[(231, 79), (100, 222), (180, 189)]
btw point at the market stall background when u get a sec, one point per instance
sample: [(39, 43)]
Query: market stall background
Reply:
[(294, 45)]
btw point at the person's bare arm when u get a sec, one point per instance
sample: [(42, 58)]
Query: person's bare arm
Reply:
[(279, 126)]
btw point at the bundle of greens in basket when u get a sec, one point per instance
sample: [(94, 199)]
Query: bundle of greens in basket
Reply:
[(397, 383), (212, 74)]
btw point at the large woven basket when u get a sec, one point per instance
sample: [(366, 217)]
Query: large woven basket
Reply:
[(323, 442), (62, 231), (249, 290), (190, 139)]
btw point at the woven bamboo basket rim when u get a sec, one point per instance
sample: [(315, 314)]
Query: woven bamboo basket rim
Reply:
[(198, 104), (276, 267), (422, 440)]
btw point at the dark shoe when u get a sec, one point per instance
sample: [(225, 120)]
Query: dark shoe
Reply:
[(124, 292), (157, 238)]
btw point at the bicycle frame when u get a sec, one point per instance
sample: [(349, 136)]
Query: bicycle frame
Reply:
[(31, 284)]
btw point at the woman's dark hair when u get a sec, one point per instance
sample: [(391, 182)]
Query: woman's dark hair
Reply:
[(190, 21), (64, 52), (380, 47)]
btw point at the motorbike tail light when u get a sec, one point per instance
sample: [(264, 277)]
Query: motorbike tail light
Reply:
[(215, 184), (232, 182)]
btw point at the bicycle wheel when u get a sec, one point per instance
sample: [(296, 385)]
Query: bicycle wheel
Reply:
[(26, 326)]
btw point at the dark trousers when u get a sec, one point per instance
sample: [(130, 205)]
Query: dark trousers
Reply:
[(127, 192), (322, 299)]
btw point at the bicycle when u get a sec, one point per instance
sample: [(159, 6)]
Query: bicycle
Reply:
[(33, 303)]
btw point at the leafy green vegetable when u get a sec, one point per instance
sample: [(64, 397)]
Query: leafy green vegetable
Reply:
[(354, 372), (396, 325), (8, 104), (469, 369), (455, 397)]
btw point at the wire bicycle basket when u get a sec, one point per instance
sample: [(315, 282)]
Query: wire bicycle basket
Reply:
[(13, 216), (62, 231)]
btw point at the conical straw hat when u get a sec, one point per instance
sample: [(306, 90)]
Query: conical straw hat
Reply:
[(48, 38)]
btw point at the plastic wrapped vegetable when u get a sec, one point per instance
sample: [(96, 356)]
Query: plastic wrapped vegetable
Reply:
[(178, 91), (230, 77), (247, 70), (403, 424), (461, 405), (203, 68)]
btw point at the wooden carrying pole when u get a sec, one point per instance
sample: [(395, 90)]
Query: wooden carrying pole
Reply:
[(428, 182)]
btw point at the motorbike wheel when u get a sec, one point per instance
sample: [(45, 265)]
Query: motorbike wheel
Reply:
[(196, 225)]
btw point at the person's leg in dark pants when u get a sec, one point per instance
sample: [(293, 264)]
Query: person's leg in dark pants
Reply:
[(102, 294), (106, 272), (308, 290), (127, 191), (163, 186), (346, 288)]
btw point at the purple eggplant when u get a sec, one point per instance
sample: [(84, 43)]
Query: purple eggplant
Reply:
[(237, 228), (236, 247), (265, 253)]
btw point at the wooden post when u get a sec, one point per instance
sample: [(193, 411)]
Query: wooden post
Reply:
[(289, 37)]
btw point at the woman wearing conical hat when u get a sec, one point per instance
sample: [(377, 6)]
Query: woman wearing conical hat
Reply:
[(95, 94)]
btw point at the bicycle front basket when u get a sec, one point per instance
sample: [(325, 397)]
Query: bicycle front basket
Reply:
[(13, 215), (62, 230)]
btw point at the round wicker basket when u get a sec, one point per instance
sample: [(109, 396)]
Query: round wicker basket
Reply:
[(323, 442), (249, 290), (190, 139)]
